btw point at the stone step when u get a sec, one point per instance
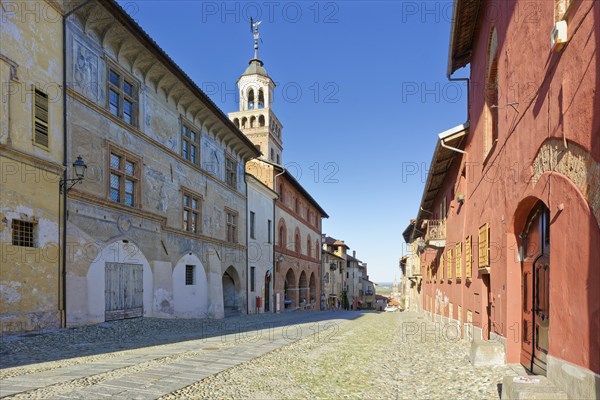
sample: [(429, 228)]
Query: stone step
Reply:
[(532, 387), (485, 352)]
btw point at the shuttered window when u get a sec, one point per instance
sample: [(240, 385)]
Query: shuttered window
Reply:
[(449, 260), (41, 118), (458, 259), (441, 268), (484, 246), (468, 257)]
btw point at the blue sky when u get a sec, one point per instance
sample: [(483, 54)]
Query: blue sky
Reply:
[(362, 94)]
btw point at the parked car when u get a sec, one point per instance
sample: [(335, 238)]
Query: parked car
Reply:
[(391, 309)]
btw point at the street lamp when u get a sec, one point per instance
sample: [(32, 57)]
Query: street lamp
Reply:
[(80, 167)]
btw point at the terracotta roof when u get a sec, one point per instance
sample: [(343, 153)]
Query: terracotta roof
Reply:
[(350, 258), (334, 242), (304, 193), (441, 162), (464, 16)]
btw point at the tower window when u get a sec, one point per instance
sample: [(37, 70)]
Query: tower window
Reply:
[(261, 99), (261, 120), (251, 99), (272, 155), (278, 160)]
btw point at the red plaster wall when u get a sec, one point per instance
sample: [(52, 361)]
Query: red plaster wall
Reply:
[(557, 98)]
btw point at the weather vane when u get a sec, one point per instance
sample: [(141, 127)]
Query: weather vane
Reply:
[(254, 30)]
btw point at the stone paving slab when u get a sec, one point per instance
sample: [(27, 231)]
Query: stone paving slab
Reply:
[(151, 371)]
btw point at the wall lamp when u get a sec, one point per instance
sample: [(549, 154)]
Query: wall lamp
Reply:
[(80, 167)]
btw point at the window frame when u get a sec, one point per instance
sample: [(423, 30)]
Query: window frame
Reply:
[(231, 226), (185, 192), (193, 275), (252, 279), (458, 260), (125, 157), (468, 257), (252, 223), (17, 237), (36, 119), (483, 246), (231, 173), (186, 139), (111, 66)]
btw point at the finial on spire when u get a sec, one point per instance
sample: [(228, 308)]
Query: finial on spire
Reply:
[(254, 30)]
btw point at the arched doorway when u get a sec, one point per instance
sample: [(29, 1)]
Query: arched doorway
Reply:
[(231, 285), (290, 292), (303, 286), (312, 289), (535, 275)]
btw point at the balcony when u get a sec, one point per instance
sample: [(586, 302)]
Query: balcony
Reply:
[(435, 235)]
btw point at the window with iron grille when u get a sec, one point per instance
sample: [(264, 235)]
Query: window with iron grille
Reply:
[(23, 233), (230, 172), (124, 178), (232, 218), (190, 144), (122, 96), (192, 212), (190, 275), (40, 118), (252, 278)]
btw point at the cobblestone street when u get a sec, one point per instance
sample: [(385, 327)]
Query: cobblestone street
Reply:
[(296, 355)]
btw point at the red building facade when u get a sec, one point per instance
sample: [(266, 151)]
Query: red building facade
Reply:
[(509, 223)]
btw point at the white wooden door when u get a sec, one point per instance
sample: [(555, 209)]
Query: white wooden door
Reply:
[(124, 291)]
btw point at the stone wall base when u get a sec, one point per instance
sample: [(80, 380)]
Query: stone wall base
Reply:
[(577, 382)]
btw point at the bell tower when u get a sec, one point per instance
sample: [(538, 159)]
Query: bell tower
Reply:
[(255, 117)]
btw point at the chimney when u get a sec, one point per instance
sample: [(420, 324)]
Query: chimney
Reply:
[(354, 253)]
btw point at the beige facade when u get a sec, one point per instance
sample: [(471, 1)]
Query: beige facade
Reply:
[(31, 165), (165, 194)]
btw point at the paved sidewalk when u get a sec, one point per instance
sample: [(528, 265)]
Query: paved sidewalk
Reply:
[(145, 358)]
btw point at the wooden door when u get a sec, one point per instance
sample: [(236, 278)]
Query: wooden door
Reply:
[(527, 314), (124, 291), (535, 290)]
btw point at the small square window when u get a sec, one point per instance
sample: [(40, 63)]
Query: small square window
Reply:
[(23, 233), (190, 275)]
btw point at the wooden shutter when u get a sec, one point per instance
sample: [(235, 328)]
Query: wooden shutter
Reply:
[(449, 266), (441, 268), (458, 259), (468, 258), (484, 246), (40, 118)]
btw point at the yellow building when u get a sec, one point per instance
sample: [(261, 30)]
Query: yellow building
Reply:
[(31, 164)]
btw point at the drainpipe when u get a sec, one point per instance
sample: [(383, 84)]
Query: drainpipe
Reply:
[(273, 227), (247, 264), (63, 275)]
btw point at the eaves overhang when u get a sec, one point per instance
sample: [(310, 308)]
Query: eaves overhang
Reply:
[(442, 160), (465, 14)]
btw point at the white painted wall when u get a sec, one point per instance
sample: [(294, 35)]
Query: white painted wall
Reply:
[(190, 301), (260, 251), (93, 291)]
